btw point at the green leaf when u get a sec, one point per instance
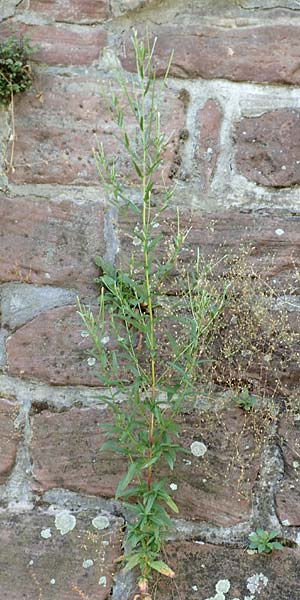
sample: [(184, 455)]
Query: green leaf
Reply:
[(131, 562), (170, 502), (277, 546), (123, 484), (137, 168)]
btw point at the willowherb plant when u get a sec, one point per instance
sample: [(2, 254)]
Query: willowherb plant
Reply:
[(146, 346)]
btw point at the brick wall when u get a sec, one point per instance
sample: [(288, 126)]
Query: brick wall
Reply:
[(232, 106)]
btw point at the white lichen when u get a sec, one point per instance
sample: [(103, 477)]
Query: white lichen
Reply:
[(223, 586), (46, 533), (256, 583), (100, 522), (87, 563), (65, 522), (198, 448)]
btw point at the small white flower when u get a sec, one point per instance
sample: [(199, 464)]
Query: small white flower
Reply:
[(136, 241), (84, 334), (173, 487), (91, 361), (198, 448), (105, 340), (102, 581), (279, 232), (52, 581), (223, 586)]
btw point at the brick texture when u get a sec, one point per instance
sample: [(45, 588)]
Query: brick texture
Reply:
[(65, 451), (260, 54), (8, 437), (53, 567), (268, 148), (50, 242)]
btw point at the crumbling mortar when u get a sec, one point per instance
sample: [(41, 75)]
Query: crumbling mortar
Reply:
[(59, 397), (264, 513), (16, 493)]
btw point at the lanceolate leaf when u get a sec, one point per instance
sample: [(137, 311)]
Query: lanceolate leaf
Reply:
[(162, 567)]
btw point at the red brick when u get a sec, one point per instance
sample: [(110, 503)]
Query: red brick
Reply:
[(203, 566), (120, 7), (258, 54), (74, 11), (207, 151), (58, 127), (34, 567), (268, 148), (61, 45), (288, 494), (50, 348), (273, 241), (8, 437), (49, 242), (65, 452)]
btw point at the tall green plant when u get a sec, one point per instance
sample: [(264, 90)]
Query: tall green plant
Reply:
[(147, 346)]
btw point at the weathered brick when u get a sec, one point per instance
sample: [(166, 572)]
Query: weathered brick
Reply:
[(50, 242), (273, 241), (58, 127), (120, 7), (8, 437), (54, 566), (209, 119), (260, 54), (268, 148), (74, 11), (65, 451), (288, 494), (50, 348), (200, 568), (61, 45)]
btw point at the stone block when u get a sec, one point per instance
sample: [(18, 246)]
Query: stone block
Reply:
[(72, 11), (267, 148), (209, 120), (214, 488), (47, 242), (63, 120), (208, 569), (288, 493), (50, 348), (61, 45), (262, 54), (41, 559)]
